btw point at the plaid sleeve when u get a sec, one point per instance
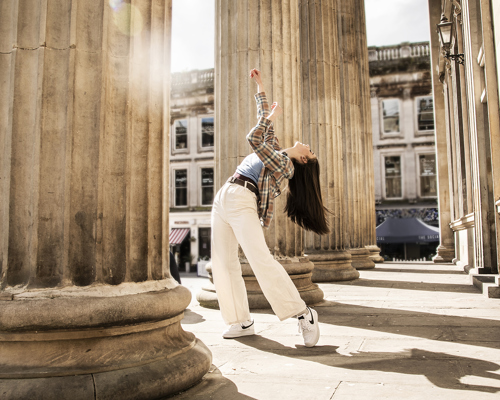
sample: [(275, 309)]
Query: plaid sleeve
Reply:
[(262, 105), (263, 110), (272, 159)]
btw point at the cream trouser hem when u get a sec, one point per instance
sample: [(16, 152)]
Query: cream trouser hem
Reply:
[(235, 220)]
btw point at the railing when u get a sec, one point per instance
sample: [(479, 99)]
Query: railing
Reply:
[(403, 50), (204, 77)]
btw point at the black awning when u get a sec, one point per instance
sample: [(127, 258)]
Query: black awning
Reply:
[(406, 230)]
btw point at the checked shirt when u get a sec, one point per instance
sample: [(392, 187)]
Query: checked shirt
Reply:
[(277, 166)]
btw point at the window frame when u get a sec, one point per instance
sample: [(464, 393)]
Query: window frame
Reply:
[(419, 186), (393, 134), (402, 176), (174, 191), (173, 134), (202, 166), (419, 132), (202, 148)]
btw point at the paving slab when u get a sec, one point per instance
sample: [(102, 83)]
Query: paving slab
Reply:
[(403, 330)]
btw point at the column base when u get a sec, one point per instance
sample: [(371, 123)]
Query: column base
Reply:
[(332, 266), (445, 254), (85, 347), (361, 259), (375, 254), (300, 271)]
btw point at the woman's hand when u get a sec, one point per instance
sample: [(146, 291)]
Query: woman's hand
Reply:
[(276, 111), (257, 76)]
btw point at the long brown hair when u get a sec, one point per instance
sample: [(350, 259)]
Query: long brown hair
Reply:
[(304, 204)]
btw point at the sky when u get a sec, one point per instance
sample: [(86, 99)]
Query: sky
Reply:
[(387, 22)]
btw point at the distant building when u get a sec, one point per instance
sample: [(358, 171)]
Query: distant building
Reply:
[(191, 165), (403, 139)]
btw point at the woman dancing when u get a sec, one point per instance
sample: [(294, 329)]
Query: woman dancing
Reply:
[(245, 203)]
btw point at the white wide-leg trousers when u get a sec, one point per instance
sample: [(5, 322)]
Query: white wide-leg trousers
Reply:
[(235, 220)]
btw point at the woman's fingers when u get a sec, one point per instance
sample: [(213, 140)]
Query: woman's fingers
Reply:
[(254, 72)]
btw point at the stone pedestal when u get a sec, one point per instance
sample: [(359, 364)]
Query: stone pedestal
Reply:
[(333, 266), (444, 254), (87, 306), (300, 270), (107, 342), (375, 254), (361, 258)]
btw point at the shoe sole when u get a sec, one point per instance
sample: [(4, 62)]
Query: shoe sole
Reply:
[(234, 336), (316, 339)]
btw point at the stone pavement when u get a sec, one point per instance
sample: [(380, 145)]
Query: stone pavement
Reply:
[(412, 331)]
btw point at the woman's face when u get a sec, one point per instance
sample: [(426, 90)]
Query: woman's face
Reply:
[(305, 151)]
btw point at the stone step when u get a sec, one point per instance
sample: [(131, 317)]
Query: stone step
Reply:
[(488, 284)]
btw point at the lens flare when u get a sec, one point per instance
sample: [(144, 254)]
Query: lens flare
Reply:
[(126, 17)]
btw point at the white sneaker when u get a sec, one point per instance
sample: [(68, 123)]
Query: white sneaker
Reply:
[(239, 330), (309, 327)]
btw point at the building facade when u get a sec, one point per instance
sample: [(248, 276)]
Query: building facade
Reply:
[(403, 140), (465, 66), (191, 166)]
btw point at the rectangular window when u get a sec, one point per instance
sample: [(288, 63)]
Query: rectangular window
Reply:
[(181, 188), (393, 177), (207, 186), (181, 136), (390, 115), (207, 132), (204, 245), (428, 176), (425, 113)]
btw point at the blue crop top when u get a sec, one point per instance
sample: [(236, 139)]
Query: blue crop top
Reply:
[(251, 167)]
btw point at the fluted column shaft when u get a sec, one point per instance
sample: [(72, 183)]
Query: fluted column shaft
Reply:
[(369, 217), (352, 91), (261, 34), (321, 126), (84, 183), (446, 249)]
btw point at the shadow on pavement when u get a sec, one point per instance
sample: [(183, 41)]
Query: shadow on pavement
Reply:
[(441, 369), (446, 328), (190, 317), (419, 271), (212, 386), (425, 286)]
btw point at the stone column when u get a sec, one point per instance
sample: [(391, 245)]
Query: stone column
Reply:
[(446, 248), (88, 308), (369, 218), (321, 127), (358, 207), (491, 79), (265, 35), (477, 29)]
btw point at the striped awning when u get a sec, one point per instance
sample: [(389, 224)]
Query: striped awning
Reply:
[(177, 235)]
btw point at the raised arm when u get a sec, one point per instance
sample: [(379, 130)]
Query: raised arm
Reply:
[(265, 145), (263, 109)]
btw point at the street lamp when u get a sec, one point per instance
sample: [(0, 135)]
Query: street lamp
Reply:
[(444, 31)]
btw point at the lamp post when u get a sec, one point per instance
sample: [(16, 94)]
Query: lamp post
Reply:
[(444, 30)]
